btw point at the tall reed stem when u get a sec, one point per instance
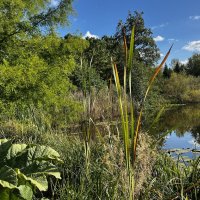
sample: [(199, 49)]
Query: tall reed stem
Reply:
[(129, 133)]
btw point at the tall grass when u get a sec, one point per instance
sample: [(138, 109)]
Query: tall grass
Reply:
[(129, 132), (173, 180)]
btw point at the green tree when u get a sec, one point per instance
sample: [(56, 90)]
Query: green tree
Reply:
[(20, 20), (101, 50), (39, 77), (167, 71), (36, 63), (146, 53), (145, 47), (177, 68), (85, 77), (99, 56), (182, 88), (193, 66)]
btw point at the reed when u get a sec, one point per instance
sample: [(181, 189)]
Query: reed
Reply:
[(129, 132)]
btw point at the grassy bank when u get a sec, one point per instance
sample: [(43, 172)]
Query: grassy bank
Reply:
[(104, 174)]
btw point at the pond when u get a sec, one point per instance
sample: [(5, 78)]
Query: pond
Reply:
[(182, 123)]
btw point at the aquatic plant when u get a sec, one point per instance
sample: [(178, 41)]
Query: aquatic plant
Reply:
[(129, 132)]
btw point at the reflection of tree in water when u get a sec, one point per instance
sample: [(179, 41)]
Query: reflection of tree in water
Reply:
[(196, 133), (180, 119)]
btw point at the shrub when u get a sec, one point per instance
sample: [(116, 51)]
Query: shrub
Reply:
[(182, 89), (24, 169)]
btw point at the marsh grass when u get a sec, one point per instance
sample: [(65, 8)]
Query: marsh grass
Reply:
[(106, 176), (172, 179)]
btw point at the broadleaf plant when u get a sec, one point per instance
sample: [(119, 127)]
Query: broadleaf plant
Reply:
[(24, 169)]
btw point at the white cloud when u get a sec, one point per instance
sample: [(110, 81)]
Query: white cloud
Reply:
[(184, 62), (158, 38), (88, 34), (197, 17), (192, 46), (159, 26)]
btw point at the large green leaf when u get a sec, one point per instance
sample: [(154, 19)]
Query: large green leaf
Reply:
[(4, 147), (9, 189), (41, 167), (25, 167), (14, 150), (38, 181), (42, 153), (6, 184), (25, 192), (3, 141), (8, 177), (21, 156), (21, 193)]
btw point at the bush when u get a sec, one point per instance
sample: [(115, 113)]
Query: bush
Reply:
[(181, 88)]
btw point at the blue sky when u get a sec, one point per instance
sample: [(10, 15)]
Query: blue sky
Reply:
[(171, 21)]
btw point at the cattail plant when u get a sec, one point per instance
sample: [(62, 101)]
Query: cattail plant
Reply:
[(129, 132)]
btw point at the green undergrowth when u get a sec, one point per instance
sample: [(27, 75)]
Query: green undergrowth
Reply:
[(173, 179), (106, 176), (157, 175)]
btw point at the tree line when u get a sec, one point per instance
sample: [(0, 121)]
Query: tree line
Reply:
[(41, 71)]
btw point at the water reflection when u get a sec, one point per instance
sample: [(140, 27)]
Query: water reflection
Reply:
[(184, 123)]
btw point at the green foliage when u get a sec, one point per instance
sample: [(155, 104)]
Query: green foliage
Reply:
[(140, 79), (167, 72), (85, 77), (76, 46), (24, 169), (173, 179), (36, 75), (86, 74), (36, 63), (19, 20), (181, 88), (98, 54), (145, 47), (177, 68), (101, 50), (193, 66)]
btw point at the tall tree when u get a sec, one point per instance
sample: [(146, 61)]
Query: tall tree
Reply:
[(99, 56), (102, 49), (21, 19), (145, 47), (193, 66), (167, 71), (146, 52), (177, 68), (36, 63)]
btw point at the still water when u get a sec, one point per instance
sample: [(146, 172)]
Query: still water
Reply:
[(183, 125)]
